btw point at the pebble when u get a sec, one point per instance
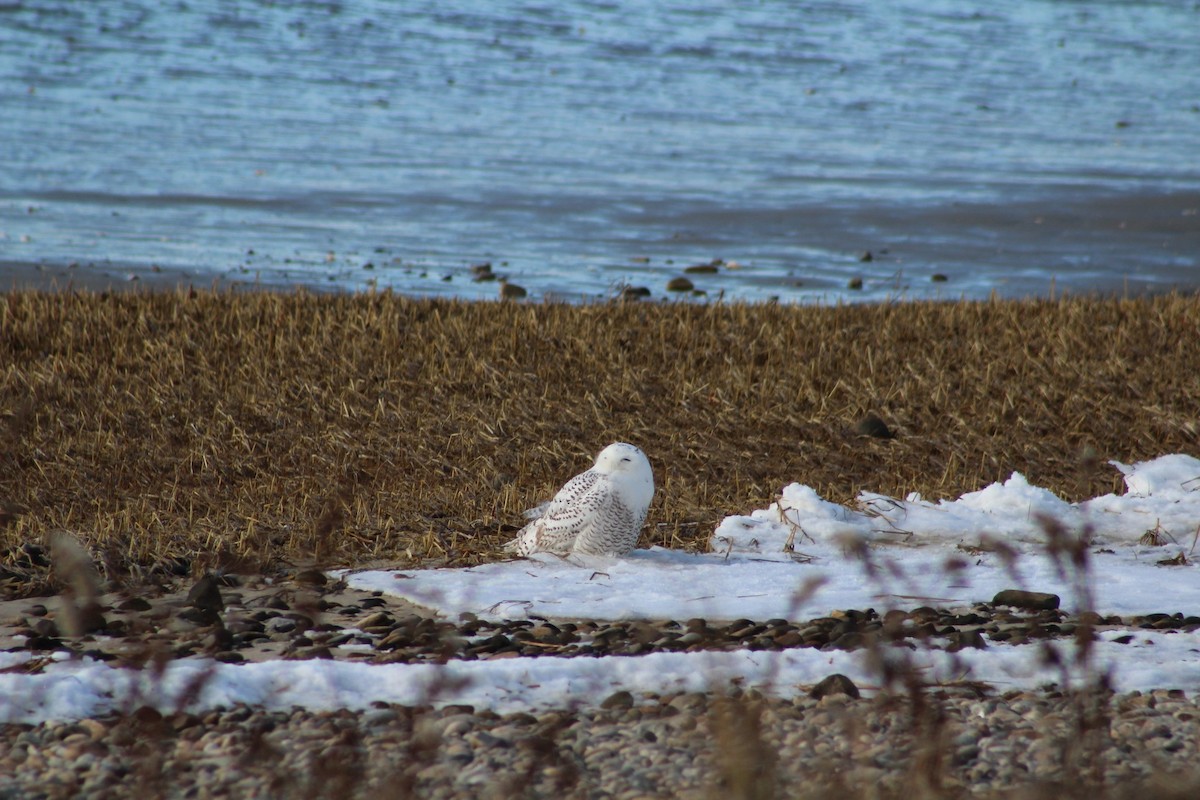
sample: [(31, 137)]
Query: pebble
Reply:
[(621, 699)]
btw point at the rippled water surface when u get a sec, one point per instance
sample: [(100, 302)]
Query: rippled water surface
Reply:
[(583, 146)]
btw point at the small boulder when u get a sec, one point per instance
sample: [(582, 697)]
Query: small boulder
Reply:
[(206, 594), (1032, 601), (836, 683)]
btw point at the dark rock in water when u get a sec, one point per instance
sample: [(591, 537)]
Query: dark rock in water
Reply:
[(1034, 601), (510, 291), (703, 269), (634, 292), (206, 595), (836, 683), (938, 277), (855, 283), (866, 256), (871, 425), (680, 284)]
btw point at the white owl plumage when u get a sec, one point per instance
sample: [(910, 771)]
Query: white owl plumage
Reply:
[(598, 512)]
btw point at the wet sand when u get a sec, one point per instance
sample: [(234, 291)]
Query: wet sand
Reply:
[(18, 276), (75, 276)]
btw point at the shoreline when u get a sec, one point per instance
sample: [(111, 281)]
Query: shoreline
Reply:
[(16, 276), (21, 276)]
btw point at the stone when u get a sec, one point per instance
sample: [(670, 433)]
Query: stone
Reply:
[(205, 595), (833, 685), (972, 639), (134, 604), (1033, 601), (511, 291), (618, 700)]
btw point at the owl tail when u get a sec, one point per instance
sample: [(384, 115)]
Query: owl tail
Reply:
[(526, 541)]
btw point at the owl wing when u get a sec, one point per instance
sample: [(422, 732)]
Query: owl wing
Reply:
[(612, 529), (570, 512)]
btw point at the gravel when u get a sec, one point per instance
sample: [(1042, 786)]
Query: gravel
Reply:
[(236, 620), (966, 740), (659, 746)]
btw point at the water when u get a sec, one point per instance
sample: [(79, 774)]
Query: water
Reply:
[(583, 146)]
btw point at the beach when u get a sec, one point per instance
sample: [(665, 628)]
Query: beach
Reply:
[(266, 440)]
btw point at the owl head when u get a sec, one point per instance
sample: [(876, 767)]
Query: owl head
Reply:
[(621, 457), (629, 470)]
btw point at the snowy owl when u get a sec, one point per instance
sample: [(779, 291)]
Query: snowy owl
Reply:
[(598, 512)]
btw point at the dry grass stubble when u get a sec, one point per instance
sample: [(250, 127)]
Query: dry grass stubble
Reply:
[(195, 430)]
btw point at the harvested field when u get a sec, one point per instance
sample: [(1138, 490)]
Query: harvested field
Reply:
[(174, 433), (177, 432)]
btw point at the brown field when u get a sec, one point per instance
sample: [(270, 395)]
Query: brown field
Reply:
[(186, 430)]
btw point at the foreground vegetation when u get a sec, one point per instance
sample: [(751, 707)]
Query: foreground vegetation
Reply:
[(190, 430)]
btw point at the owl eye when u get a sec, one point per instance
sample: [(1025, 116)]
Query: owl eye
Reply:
[(626, 458)]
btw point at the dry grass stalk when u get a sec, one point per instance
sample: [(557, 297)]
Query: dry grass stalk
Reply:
[(746, 761), (1156, 536), (81, 584)]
